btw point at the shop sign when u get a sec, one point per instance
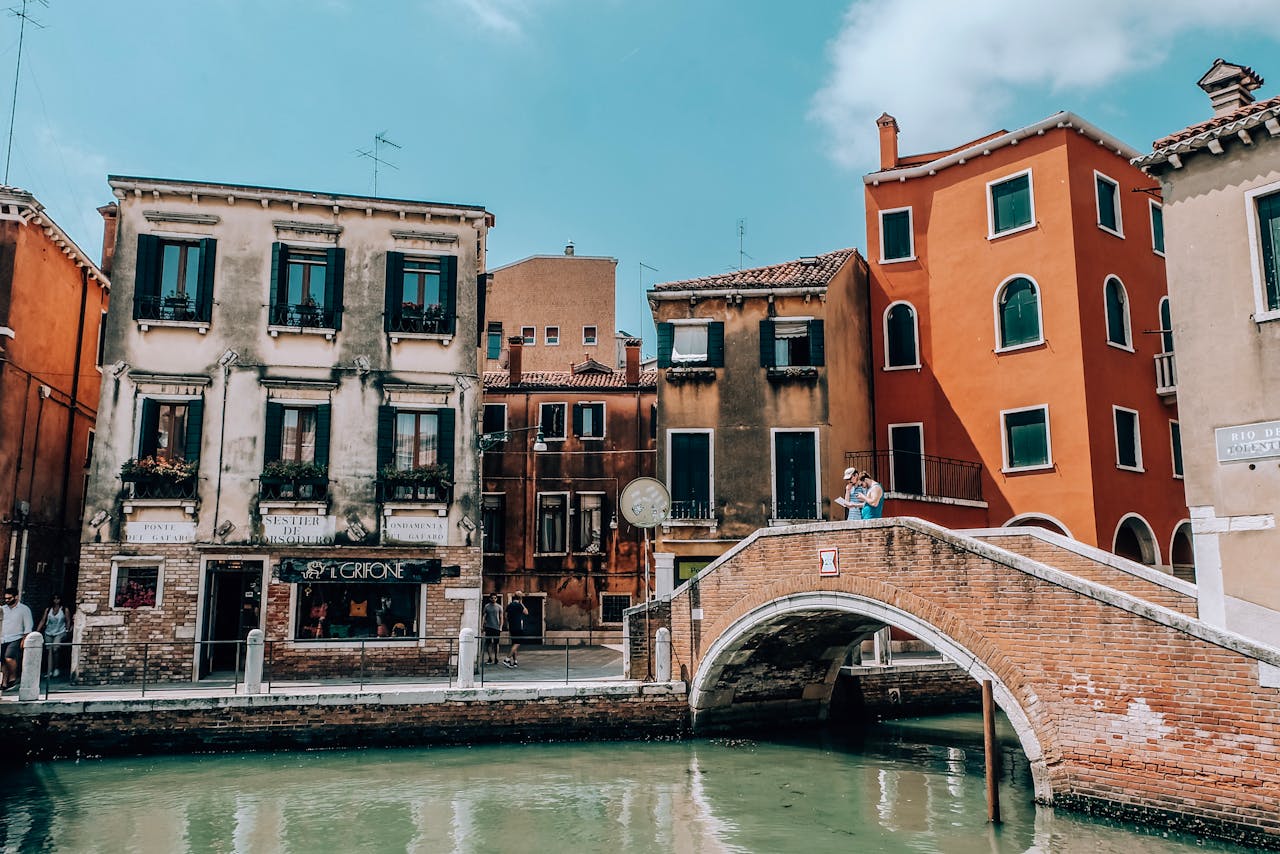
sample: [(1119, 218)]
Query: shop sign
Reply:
[(828, 562), (160, 532), (416, 529), (294, 570), (1248, 442), (297, 529)]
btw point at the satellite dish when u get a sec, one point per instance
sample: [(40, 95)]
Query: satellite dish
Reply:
[(645, 502)]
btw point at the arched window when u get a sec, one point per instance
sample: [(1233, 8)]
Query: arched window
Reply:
[(1166, 326), (901, 349), (1117, 314), (1134, 540), (1018, 313)]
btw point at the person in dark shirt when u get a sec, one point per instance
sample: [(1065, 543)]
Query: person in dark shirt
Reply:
[(516, 612)]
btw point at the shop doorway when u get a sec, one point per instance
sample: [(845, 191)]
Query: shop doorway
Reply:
[(233, 608)]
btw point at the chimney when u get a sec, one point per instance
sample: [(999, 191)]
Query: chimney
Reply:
[(1229, 86), (568, 248), (888, 126), (515, 359), (110, 215), (632, 369)]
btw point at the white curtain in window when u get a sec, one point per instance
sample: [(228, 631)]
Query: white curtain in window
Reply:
[(689, 343)]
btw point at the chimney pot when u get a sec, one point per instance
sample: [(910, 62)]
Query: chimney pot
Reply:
[(1229, 86), (632, 367), (888, 126), (515, 360)]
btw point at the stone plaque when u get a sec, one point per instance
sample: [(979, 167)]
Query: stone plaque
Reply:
[(416, 529), (828, 562), (1248, 442), (297, 529), (160, 532)]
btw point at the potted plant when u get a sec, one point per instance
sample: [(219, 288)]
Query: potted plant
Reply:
[(159, 477), (421, 482), (293, 478)]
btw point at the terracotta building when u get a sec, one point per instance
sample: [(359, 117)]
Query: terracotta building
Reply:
[(52, 301), (1221, 184), (1021, 373), (551, 525), (561, 306)]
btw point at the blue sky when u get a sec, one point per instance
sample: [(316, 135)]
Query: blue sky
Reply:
[(640, 129)]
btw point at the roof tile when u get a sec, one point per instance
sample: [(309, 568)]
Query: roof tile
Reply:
[(800, 273), (1216, 122), (568, 379)]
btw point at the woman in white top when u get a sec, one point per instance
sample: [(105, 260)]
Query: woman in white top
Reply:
[(56, 625)]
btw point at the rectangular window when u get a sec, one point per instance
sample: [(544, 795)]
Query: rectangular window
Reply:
[(1128, 440), (1011, 204), (167, 443), (493, 523), (906, 453), (588, 522), (102, 339), (1157, 228), (897, 243), (689, 343), (1025, 437), (689, 474), (553, 516), (795, 474), (298, 435), (787, 342), (529, 335), (339, 611), (1108, 197), (416, 442), (1175, 436), (612, 606), (551, 417), (420, 293), (551, 336), (588, 336), (1269, 244), (308, 287), (495, 418), (137, 585), (493, 341), (588, 420), (174, 280)]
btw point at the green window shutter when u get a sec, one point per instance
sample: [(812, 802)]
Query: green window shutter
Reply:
[(901, 345), (274, 428), (493, 346), (394, 290), (768, 351), (279, 267), (1116, 332), (195, 431), (817, 344), (149, 427), (1126, 439), (146, 277), (577, 418), (897, 235), (449, 292), (204, 299), (386, 436), (690, 467), (1019, 314), (666, 337), (1011, 203), (1269, 223), (445, 437), (1027, 438), (1175, 431), (1106, 203), (715, 344), (335, 259), (1166, 326), (323, 430), (1157, 229)]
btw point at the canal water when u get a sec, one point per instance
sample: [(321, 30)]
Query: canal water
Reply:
[(905, 786)]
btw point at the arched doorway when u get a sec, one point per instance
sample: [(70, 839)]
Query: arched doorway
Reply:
[(1182, 553), (1038, 520), (1133, 540)]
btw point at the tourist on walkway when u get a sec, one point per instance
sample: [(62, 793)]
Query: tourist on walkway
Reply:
[(17, 625), (492, 629), (516, 612), (55, 623), (872, 498), (846, 500)]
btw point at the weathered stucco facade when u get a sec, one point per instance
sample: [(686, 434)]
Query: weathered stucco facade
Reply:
[(290, 404)]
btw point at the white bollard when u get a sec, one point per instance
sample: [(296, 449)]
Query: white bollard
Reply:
[(467, 658), (32, 659), (254, 648), (662, 656)]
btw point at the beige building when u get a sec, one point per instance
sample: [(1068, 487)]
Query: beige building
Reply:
[(286, 430), (1221, 187), (561, 306)]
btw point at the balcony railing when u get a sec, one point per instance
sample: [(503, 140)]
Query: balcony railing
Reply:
[(150, 486), (173, 307), (920, 474), (304, 316), (293, 488), (412, 318), (797, 509), (394, 491), (1166, 375), (690, 510)]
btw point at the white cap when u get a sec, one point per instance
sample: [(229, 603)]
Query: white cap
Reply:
[(849, 473)]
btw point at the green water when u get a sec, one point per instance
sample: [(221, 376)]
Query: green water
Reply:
[(907, 786)]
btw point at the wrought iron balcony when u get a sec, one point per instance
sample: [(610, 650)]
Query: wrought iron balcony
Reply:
[(173, 307), (293, 488), (797, 509), (304, 316), (407, 491), (1166, 375), (690, 510), (151, 486), (921, 475), (416, 318)]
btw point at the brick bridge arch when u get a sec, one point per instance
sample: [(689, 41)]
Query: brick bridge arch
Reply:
[(1123, 700)]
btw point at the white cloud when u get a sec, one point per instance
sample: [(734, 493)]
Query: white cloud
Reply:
[(503, 17), (948, 70)]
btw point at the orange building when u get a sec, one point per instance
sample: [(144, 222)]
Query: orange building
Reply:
[(52, 300), (1021, 373)]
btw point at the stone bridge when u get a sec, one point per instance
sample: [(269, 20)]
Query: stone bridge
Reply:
[(1124, 701)]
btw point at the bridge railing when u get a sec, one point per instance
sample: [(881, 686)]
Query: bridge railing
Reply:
[(925, 475)]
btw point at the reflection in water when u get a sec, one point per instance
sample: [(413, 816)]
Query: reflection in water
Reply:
[(904, 786)]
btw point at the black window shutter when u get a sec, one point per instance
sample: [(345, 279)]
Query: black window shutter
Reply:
[(449, 293), (335, 261), (149, 427), (146, 279), (715, 344), (395, 289), (666, 337), (278, 267), (195, 430), (323, 421), (444, 426), (817, 344), (577, 418), (482, 289), (204, 299), (768, 352), (275, 426), (386, 436)]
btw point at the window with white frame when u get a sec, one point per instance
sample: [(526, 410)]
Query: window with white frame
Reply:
[(795, 475), (551, 418), (588, 420), (493, 522), (553, 523), (1117, 306), (901, 342), (588, 522), (906, 457), (588, 336), (1018, 314), (612, 607), (1157, 228), (689, 474), (1166, 326), (137, 583), (1264, 209), (1025, 438), (1107, 192), (1011, 204), (689, 342), (897, 242), (529, 335), (493, 340), (1128, 439), (494, 419), (551, 336), (1175, 439)]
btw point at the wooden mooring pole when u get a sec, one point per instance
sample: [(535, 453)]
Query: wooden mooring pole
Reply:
[(993, 756)]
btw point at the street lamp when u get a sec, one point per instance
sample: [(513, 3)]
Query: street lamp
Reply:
[(485, 441)]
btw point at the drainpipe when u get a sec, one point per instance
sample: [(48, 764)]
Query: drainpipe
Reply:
[(222, 438), (45, 391), (9, 577), (74, 407)]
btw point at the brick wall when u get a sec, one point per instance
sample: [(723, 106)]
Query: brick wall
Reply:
[(903, 692)]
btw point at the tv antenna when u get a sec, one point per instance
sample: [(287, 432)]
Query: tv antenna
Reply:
[(742, 233), (379, 140), (21, 15)]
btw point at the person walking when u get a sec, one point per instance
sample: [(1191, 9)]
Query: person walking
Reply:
[(55, 623), (17, 625), (492, 629), (516, 612), (872, 498)]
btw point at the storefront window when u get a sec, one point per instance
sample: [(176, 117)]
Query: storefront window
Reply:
[(338, 611)]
